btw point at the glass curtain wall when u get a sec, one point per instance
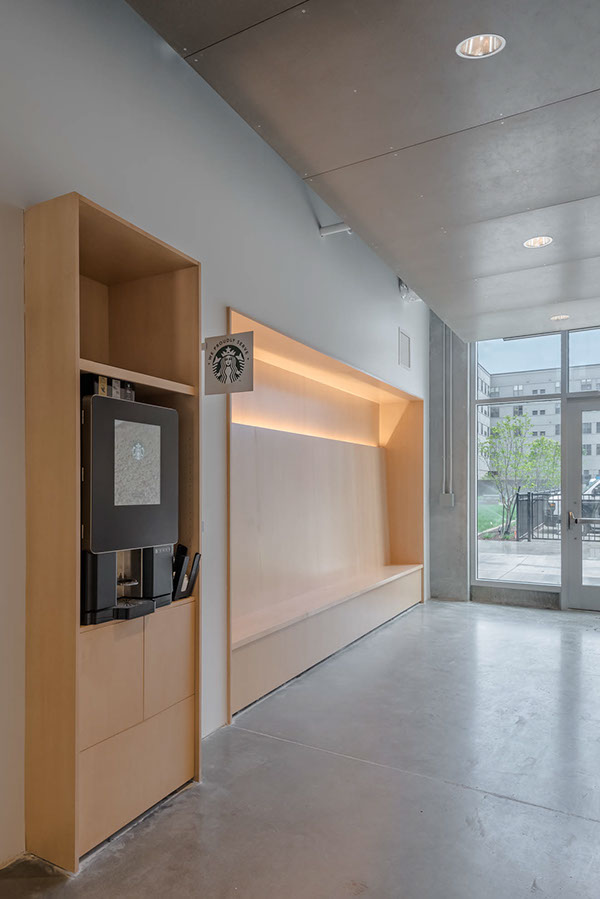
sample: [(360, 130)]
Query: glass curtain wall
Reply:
[(518, 447), (518, 442)]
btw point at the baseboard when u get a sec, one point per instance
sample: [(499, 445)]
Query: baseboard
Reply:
[(511, 596)]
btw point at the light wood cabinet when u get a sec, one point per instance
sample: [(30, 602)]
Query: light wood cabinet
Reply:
[(106, 736)]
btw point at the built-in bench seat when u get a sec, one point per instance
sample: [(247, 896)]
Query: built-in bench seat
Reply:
[(274, 644), (265, 621)]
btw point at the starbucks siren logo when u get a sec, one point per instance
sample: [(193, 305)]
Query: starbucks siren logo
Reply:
[(228, 364)]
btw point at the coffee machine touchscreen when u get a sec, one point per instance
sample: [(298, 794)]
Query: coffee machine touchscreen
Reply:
[(137, 463)]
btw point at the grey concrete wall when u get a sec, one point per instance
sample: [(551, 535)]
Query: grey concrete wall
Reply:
[(449, 531), (12, 534)]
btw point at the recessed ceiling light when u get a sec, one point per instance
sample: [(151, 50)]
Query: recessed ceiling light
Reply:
[(535, 243), (562, 317), (480, 46)]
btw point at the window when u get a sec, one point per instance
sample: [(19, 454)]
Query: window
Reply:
[(557, 430), (598, 427), (586, 450), (598, 449), (557, 386), (597, 385), (586, 473), (542, 411), (586, 427), (584, 358), (516, 368)]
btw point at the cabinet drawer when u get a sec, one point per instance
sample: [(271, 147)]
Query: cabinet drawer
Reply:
[(111, 680), (127, 774), (169, 657)]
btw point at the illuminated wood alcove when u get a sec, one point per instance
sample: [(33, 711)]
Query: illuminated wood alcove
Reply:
[(325, 510)]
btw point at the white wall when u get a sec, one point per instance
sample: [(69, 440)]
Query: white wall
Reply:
[(92, 100), (12, 533)]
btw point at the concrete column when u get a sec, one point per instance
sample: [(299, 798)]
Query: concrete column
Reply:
[(449, 524)]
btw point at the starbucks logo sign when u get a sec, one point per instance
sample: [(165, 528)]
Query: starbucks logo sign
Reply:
[(229, 363)]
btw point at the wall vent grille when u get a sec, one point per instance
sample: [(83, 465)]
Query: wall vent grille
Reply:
[(403, 349)]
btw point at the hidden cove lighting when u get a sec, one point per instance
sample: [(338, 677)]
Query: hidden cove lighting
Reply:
[(536, 243), (480, 46)]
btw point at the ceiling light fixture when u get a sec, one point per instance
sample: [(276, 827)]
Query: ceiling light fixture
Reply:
[(480, 46), (535, 243), (562, 317)]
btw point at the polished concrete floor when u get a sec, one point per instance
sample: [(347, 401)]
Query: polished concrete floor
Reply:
[(452, 754)]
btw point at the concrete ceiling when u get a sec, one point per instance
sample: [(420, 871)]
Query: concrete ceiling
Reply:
[(444, 166)]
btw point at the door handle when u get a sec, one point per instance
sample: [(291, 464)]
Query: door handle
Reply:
[(572, 520)]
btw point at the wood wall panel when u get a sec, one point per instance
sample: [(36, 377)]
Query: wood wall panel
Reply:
[(404, 473), (305, 511), (287, 401), (154, 325), (284, 352), (53, 540), (93, 343)]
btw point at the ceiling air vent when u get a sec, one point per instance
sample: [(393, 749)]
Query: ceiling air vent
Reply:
[(403, 349)]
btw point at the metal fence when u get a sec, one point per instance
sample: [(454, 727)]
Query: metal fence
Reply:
[(538, 516)]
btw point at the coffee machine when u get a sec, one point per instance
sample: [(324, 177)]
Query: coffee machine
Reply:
[(130, 493)]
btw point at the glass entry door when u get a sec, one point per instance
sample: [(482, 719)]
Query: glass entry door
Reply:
[(582, 544)]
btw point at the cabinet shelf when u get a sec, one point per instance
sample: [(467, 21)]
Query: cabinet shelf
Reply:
[(136, 377)]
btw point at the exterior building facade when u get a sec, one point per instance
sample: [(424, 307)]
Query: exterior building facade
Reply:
[(545, 415)]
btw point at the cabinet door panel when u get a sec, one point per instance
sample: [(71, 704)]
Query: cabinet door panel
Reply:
[(169, 657), (132, 771), (111, 680)]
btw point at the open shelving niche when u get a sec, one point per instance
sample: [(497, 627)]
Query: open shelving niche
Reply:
[(325, 510), (113, 710)]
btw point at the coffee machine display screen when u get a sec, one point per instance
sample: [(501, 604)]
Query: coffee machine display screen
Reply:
[(137, 464), (130, 462)]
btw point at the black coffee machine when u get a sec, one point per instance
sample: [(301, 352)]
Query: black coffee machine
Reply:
[(130, 489)]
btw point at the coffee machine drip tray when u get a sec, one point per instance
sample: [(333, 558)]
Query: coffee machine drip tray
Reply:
[(133, 608)]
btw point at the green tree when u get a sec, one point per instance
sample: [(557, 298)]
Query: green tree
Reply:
[(542, 465), (505, 453)]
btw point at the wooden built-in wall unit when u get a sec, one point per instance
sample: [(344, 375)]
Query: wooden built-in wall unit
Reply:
[(325, 510), (113, 709)]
